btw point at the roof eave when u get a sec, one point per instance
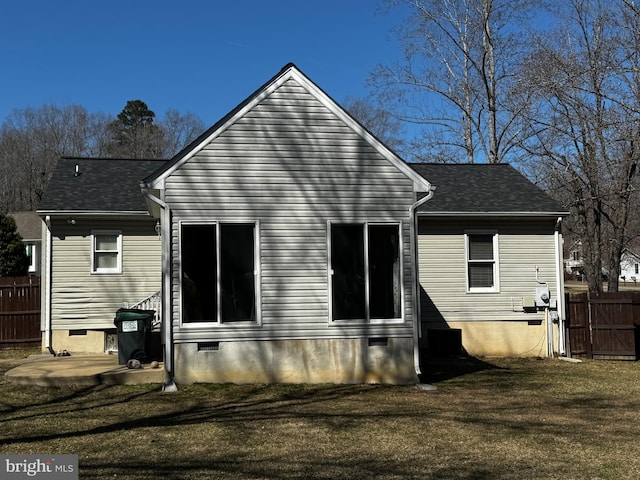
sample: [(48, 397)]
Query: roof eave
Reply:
[(493, 214), (87, 213)]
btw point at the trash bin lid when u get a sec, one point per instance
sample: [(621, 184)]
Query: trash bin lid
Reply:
[(124, 314)]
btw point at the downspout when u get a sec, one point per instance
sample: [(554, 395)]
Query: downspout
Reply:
[(167, 324), (417, 327), (47, 286), (560, 288)]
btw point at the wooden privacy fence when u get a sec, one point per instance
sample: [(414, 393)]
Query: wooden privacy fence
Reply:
[(604, 326), (19, 312)]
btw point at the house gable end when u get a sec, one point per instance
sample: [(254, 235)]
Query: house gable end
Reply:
[(290, 73)]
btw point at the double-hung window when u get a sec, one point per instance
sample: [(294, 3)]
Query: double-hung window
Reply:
[(218, 272), (366, 271), (106, 252), (482, 262)]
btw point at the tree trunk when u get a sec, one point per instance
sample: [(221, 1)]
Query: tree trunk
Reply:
[(489, 72)]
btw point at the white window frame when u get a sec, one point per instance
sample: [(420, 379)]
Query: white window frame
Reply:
[(33, 256), (368, 320), (257, 276), (109, 271), (496, 261)]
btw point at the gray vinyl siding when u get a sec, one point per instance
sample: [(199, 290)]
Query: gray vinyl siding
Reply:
[(442, 270), (83, 300), (292, 166)]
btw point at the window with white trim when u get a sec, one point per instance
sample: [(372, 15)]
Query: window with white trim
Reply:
[(32, 254), (218, 272), (106, 252), (482, 261), (366, 271)]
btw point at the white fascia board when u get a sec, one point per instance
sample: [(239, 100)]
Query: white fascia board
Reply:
[(93, 213), (492, 214)]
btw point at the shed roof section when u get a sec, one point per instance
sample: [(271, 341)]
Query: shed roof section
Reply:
[(468, 189), (29, 225), (97, 185)]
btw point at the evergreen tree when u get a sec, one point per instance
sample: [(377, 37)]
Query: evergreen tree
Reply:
[(14, 261), (133, 133)]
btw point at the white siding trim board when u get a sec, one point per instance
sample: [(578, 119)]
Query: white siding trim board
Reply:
[(267, 335)]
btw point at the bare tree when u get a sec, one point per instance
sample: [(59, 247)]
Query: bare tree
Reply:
[(388, 129), (457, 72), (586, 115), (179, 130), (31, 141)]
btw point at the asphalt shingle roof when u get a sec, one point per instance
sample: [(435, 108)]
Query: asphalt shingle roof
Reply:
[(113, 185), (29, 225), (483, 189), (101, 185)]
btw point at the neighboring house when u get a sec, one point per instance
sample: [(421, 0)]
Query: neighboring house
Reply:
[(288, 248), (101, 250), (629, 266), (490, 246), (574, 261), (629, 263), (29, 226)]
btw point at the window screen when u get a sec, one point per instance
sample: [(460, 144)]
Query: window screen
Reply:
[(237, 279), (366, 272), (347, 263), (218, 272)]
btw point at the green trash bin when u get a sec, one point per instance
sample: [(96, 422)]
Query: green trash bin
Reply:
[(134, 334)]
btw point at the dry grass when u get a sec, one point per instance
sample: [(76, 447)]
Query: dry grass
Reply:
[(9, 354), (498, 419)]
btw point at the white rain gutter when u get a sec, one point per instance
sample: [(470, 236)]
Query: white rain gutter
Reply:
[(47, 286), (560, 288), (417, 325), (167, 324)]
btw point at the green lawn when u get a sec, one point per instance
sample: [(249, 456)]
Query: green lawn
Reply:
[(491, 419)]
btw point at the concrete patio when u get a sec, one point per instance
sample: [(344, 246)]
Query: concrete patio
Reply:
[(84, 370)]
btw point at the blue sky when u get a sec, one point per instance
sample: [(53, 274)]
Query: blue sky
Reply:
[(199, 56)]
